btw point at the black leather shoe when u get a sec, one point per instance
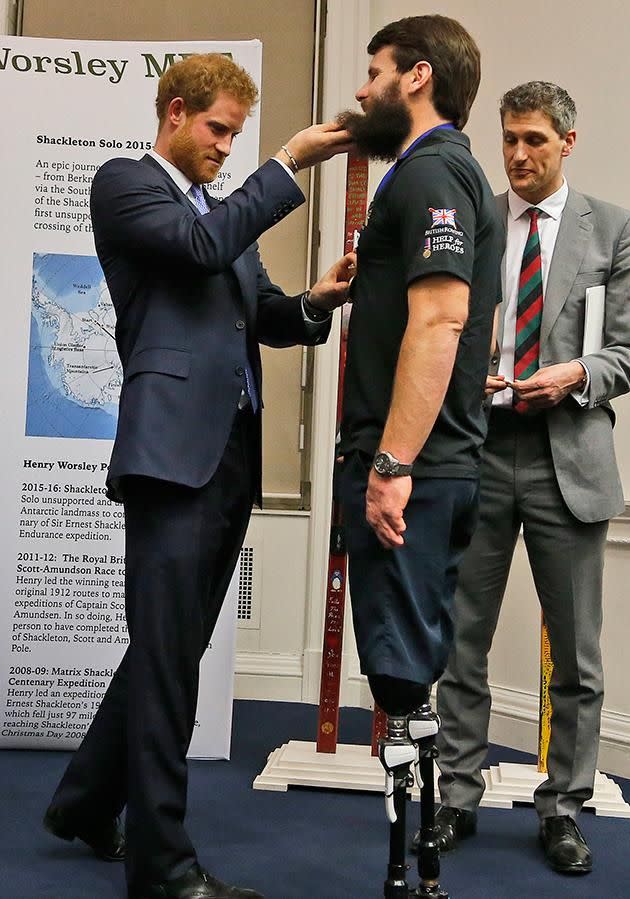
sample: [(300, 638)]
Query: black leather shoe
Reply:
[(565, 848), (194, 884), (105, 839), (451, 825)]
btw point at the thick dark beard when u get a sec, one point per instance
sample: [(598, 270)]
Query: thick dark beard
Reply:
[(380, 132)]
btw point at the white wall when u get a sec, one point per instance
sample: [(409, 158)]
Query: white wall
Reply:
[(552, 42)]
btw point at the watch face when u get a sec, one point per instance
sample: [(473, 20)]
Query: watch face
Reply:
[(382, 463)]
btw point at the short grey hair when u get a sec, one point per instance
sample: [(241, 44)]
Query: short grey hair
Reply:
[(554, 101)]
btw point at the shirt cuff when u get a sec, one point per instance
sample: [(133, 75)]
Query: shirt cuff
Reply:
[(284, 166), (310, 314), (581, 396)]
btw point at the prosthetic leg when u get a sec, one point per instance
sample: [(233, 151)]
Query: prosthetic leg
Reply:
[(397, 754), (423, 726), (411, 741)]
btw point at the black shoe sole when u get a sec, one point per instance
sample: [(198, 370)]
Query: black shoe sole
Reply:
[(571, 870)]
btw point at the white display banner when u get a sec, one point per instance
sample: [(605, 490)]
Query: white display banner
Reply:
[(68, 107)]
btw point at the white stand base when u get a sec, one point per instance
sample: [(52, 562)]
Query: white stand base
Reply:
[(298, 764), (507, 783)]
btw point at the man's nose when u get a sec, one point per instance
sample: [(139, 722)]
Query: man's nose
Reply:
[(361, 94), (520, 151), (224, 145)]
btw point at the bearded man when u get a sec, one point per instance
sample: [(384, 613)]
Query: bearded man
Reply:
[(425, 294)]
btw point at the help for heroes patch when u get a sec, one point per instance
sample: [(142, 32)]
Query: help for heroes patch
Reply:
[(443, 233)]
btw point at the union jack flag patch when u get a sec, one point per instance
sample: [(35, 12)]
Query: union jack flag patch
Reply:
[(444, 217)]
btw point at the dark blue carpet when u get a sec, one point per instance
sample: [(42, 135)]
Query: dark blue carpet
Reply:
[(304, 844)]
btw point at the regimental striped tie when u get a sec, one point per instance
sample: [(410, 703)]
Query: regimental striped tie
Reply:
[(529, 309), (198, 197)]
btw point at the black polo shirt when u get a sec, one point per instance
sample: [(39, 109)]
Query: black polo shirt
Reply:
[(435, 214)]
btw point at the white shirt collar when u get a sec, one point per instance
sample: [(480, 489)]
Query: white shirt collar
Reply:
[(553, 205), (182, 181)]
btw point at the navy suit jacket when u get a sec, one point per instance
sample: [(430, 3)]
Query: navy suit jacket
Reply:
[(192, 302)]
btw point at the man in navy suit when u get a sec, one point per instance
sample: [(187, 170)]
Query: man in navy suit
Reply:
[(193, 302)]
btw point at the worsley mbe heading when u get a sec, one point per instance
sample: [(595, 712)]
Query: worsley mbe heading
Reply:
[(76, 64)]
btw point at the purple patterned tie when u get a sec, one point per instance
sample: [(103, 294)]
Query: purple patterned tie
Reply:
[(199, 198)]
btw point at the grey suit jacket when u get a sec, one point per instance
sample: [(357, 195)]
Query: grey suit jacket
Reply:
[(592, 248)]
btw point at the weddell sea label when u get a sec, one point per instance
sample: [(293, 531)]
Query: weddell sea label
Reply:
[(62, 592)]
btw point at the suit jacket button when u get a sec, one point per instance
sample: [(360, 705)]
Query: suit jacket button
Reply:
[(240, 324), (239, 370)]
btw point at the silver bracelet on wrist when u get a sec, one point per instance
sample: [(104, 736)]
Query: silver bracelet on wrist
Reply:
[(292, 159)]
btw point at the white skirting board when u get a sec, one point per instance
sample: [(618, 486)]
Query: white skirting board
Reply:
[(353, 767)]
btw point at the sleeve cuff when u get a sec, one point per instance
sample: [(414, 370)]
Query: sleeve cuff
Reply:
[(581, 395), (310, 314), (284, 166)]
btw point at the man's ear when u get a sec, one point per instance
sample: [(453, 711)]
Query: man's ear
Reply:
[(569, 143), (176, 112), (421, 74)]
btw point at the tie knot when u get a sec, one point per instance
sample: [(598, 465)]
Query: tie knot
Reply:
[(533, 212)]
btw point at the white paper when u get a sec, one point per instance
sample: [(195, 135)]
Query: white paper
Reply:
[(594, 319)]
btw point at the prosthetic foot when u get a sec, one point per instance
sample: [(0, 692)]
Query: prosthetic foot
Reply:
[(397, 754), (423, 725)]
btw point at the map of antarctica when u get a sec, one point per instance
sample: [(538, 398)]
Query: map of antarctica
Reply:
[(75, 374)]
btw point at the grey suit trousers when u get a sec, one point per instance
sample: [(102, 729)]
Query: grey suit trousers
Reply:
[(519, 487)]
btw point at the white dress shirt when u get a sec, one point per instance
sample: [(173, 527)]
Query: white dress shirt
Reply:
[(518, 223)]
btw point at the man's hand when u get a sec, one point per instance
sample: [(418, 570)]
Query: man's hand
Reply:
[(494, 384), (317, 143), (332, 288), (385, 502), (550, 385)]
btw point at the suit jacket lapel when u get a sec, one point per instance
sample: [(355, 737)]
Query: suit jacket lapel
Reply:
[(174, 190), (244, 277), (571, 243)]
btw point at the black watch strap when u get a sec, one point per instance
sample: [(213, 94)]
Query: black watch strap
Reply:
[(389, 466)]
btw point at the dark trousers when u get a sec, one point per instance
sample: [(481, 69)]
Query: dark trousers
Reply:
[(402, 599), (182, 545)]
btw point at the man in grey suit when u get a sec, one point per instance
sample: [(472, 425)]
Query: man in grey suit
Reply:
[(549, 466)]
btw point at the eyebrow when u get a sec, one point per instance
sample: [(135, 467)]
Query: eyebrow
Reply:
[(507, 132), (215, 123)]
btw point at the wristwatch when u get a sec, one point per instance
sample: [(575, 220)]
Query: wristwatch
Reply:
[(313, 312), (388, 466)]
